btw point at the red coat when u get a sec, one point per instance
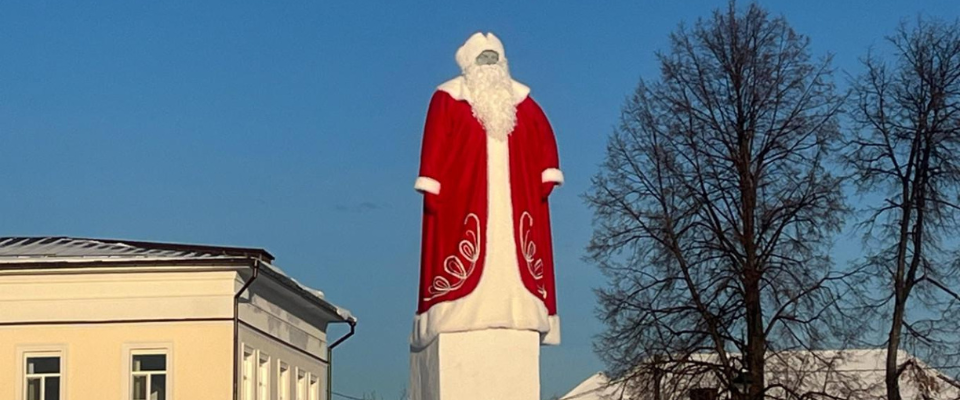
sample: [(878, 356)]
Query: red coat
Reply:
[(454, 167)]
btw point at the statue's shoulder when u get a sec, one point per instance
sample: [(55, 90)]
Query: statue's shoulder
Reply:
[(520, 91), (457, 89)]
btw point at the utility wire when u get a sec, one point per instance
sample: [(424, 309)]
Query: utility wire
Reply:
[(346, 396)]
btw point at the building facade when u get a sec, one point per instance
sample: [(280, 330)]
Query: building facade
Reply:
[(823, 374), (86, 319)]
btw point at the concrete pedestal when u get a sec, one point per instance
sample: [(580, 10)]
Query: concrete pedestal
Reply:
[(491, 364)]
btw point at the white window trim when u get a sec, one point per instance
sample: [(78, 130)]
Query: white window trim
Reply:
[(280, 383), (260, 356), (313, 392), (297, 386), (131, 349), (244, 350), (59, 350)]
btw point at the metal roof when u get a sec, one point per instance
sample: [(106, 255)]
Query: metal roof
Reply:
[(29, 252), (20, 249)]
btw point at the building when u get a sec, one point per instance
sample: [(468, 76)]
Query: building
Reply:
[(847, 374), (93, 319)]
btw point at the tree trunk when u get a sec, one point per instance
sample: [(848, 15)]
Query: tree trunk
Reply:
[(756, 343), (892, 377), (756, 337)]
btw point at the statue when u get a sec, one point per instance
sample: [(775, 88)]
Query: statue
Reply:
[(487, 297)]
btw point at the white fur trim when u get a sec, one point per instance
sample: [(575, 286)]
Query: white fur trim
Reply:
[(476, 44), (552, 175), (457, 88), (551, 337), (427, 184), (460, 316)]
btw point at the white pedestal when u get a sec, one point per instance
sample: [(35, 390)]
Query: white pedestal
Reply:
[(492, 364)]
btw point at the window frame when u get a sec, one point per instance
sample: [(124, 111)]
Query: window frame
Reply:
[(250, 380), (39, 351), (283, 380), (263, 375), (137, 349), (302, 386), (703, 393), (313, 387)]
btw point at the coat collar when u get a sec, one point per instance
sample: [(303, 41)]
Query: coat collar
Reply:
[(457, 88)]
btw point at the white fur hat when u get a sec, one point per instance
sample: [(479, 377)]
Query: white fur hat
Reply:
[(476, 44)]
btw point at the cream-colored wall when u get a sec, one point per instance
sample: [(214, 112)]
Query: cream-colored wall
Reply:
[(200, 361), (265, 311), (284, 331), (279, 351), (116, 296)]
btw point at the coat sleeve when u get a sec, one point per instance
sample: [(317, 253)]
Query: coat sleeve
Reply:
[(434, 132), (550, 172), (550, 160)]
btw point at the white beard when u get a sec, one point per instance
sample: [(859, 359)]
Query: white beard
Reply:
[(492, 98)]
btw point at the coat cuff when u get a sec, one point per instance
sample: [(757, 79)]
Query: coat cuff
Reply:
[(552, 175), (551, 337), (428, 185)]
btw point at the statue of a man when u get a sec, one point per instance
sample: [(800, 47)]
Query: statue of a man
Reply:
[(488, 164)]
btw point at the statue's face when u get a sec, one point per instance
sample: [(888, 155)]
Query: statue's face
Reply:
[(488, 57)]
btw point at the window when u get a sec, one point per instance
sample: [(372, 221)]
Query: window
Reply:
[(148, 371), (148, 376), (283, 381), (314, 388), (41, 376), (263, 377), (247, 374), (703, 394), (301, 385)]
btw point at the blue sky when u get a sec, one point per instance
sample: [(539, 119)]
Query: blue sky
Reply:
[(295, 126)]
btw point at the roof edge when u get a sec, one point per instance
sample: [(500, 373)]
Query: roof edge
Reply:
[(302, 291), (173, 262), (250, 252)]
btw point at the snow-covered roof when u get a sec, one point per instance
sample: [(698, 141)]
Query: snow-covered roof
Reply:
[(596, 387), (17, 250), (34, 252), (345, 314), (866, 365)]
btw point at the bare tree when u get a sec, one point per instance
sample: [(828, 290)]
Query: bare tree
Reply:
[(714, 212), (905, 153)]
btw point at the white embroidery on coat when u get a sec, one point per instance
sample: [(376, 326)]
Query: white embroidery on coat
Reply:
[(529, 250), (470, 251)]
